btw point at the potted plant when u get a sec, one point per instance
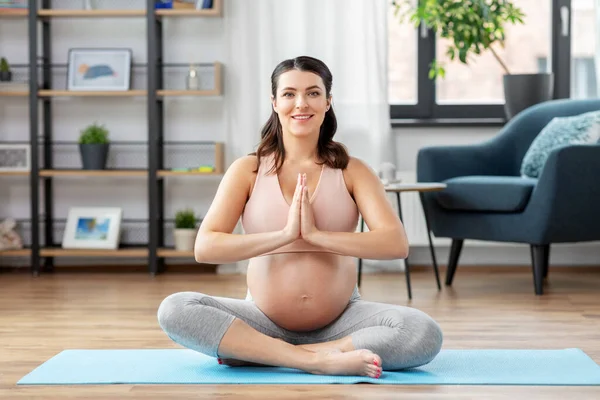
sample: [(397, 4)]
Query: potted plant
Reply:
[(184, 233), (5, 73), (93, 146), (473, 27)]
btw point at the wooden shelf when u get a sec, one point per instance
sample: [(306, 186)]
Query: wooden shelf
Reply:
[(14, 173), (90, 13), (127, 252), (219, 165), (165, 93), (96, 93), (88, 172), (15, 253), (217, 91), (16, 93), (172, 253), (13, 12), (185, 173)]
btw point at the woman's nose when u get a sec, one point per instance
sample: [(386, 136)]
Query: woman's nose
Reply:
[(300, 101)]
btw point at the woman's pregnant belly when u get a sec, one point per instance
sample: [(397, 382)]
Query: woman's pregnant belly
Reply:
[(302, 291)]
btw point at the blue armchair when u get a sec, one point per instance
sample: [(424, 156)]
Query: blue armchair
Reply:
[(487, 199)]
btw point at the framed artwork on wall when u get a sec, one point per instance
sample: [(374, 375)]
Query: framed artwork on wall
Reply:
[(101, 69)]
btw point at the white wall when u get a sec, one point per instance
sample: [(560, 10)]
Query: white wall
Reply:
[(187, 40)]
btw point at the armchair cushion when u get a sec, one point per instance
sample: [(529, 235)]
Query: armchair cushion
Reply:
[(560, 132), (486, 193)]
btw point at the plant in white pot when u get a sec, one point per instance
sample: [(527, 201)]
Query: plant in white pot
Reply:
[(185, 230), (93, 146), (473, 27)]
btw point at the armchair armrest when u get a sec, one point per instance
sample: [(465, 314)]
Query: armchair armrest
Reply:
[(438, 163), (567, 196)]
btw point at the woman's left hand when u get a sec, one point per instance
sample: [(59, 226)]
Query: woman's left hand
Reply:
[(307, 219)]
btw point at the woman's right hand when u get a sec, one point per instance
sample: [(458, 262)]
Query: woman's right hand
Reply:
[(292, 228)]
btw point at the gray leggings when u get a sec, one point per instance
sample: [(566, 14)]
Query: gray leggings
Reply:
[(403, 337)]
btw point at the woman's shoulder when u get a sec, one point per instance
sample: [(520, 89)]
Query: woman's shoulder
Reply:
[(358, 166), (357, 171), (245, 164), (242, 170)]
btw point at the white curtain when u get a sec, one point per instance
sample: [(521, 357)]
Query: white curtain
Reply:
[(350, 36)]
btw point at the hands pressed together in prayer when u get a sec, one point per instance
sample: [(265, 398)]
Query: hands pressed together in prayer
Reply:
[(301, 221)]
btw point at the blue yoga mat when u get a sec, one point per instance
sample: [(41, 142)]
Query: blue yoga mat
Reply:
[(183, 366)]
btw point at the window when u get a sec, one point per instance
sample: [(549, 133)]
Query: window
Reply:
[(583, 76), (583, 49), (402, 50), (480, 82), (544, 43)]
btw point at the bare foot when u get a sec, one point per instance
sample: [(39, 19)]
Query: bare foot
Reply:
[(232, 362), (343, 345), (322, 347), (356, 362)]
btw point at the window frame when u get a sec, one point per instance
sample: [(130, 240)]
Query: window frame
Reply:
[(428, 112)]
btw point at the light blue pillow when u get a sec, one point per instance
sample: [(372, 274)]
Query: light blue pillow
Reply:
[(560, 132)]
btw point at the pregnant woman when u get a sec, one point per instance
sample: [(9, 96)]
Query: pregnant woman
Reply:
[(299, 197)]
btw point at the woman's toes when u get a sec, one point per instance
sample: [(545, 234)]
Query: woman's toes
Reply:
[(377, 361), (373, 371)]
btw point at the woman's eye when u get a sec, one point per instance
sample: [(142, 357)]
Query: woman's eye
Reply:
[(315, 93)]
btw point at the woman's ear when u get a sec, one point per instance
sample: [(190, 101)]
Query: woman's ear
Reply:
[(273, 103), (329, 103)]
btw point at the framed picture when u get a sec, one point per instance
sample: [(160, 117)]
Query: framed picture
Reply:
[(15, 157), (93, 228), (99, 69)]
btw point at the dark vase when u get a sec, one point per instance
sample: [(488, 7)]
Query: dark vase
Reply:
[(93, 156), (5, 76), (525, 90)]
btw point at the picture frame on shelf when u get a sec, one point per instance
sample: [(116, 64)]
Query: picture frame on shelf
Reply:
[(13, 4), (99, 69), (15, 157), (93, 228)]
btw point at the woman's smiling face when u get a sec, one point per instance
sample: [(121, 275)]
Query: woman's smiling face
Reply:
[(301, 102)]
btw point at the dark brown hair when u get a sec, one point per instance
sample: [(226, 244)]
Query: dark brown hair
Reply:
[(330, 153)]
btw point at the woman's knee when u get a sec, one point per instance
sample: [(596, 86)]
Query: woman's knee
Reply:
[(418, 340), (428, 339), (172, 309)]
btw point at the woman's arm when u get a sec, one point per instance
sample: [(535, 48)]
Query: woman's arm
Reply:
[(386, 238), (215, 242)]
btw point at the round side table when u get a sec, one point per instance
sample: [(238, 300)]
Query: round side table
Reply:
[(421, 188)]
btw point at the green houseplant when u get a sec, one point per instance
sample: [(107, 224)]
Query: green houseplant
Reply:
[(5, 72), (93, 146), (473, 27), (184, 234)]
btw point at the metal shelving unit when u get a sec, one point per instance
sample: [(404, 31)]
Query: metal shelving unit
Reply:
[(41, 93)]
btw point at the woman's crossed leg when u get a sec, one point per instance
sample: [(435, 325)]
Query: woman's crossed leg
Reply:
[(351, 345)]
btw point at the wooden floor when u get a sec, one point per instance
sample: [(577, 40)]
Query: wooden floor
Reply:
[(485, 308)]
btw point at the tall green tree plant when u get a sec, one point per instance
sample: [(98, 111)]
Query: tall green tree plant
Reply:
[(471, 26)]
